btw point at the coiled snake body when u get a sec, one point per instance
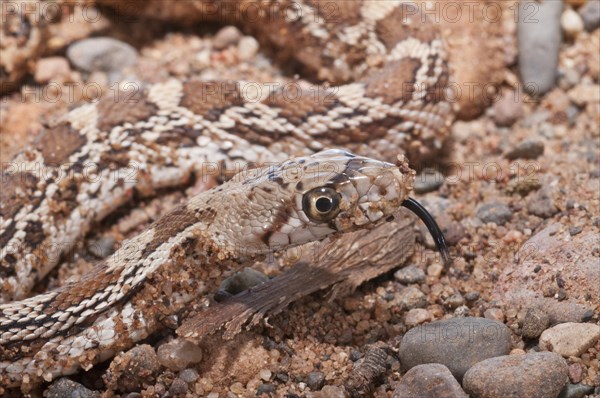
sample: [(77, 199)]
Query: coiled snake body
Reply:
[(93, 160)]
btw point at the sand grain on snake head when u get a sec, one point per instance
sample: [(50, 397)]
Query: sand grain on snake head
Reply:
[(390, 67)]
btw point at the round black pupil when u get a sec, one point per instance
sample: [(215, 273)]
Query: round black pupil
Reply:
[(323, 204)]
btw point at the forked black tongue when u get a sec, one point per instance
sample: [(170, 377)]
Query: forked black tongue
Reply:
[(431, 225)]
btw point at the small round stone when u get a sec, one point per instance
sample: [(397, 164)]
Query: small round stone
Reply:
[(409, 275), (571, 23), (429, 381), (265, 374), (178, 387), (539, 45), (533, 375), (315, 380), (247, 48), (227, 36), (495, 212), (570, 339), (576, 391), (508, 109), (457, 343), (189, 375), (64, 387), (417, 316), (428, 181), (178, 354), (590, 13), (134, 369), (101, 53), (237, 388), (542, 205), (51, 68), (266, 389), (527, 149), (535, 322), (454, 301), (411, 297)]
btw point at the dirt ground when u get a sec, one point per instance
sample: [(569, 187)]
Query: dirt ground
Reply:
[(524, 166)]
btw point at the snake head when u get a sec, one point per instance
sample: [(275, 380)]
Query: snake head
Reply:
[(310, 198)]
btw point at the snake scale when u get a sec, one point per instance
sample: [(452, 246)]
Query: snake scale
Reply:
[(390, 67)]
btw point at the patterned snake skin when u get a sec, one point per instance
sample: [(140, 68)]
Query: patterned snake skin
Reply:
[(85, 166)]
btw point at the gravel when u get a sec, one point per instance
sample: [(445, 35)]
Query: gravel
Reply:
[(570, 339), (409, 275), (535, 322), (428, 180), (539, 40), (227, 36), (508, 109), (571, 23), (457, 343), (527, 149), (429, 381), (590, 14), (315, 380), (411, 297), (541, 204), (576, 391), (495, 212), (101, 54), (532, 375), (64, 387), (178, 354)]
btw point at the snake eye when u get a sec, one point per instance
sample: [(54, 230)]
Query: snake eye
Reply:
[(321, 204)]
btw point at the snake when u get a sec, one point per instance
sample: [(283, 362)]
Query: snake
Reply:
[(385, 70)]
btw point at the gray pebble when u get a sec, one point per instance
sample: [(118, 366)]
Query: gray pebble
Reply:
[(178, 387), (453, 232), (315, 380), (428, 180), (265, 389), (572, 113), (454, 301), (457, 343), (532, 375), (227, 36), (462, 311), (178, 354), (542, 205), (429, 381), (247, 48), (539, 37), (189, 375), (526, 150), (535, 322), (411, 297), (495, 212), (575, 230), (575, 391), (507, 109), (472, 296), (409, 275), (101, 54), (590, 13), (64, 387)]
